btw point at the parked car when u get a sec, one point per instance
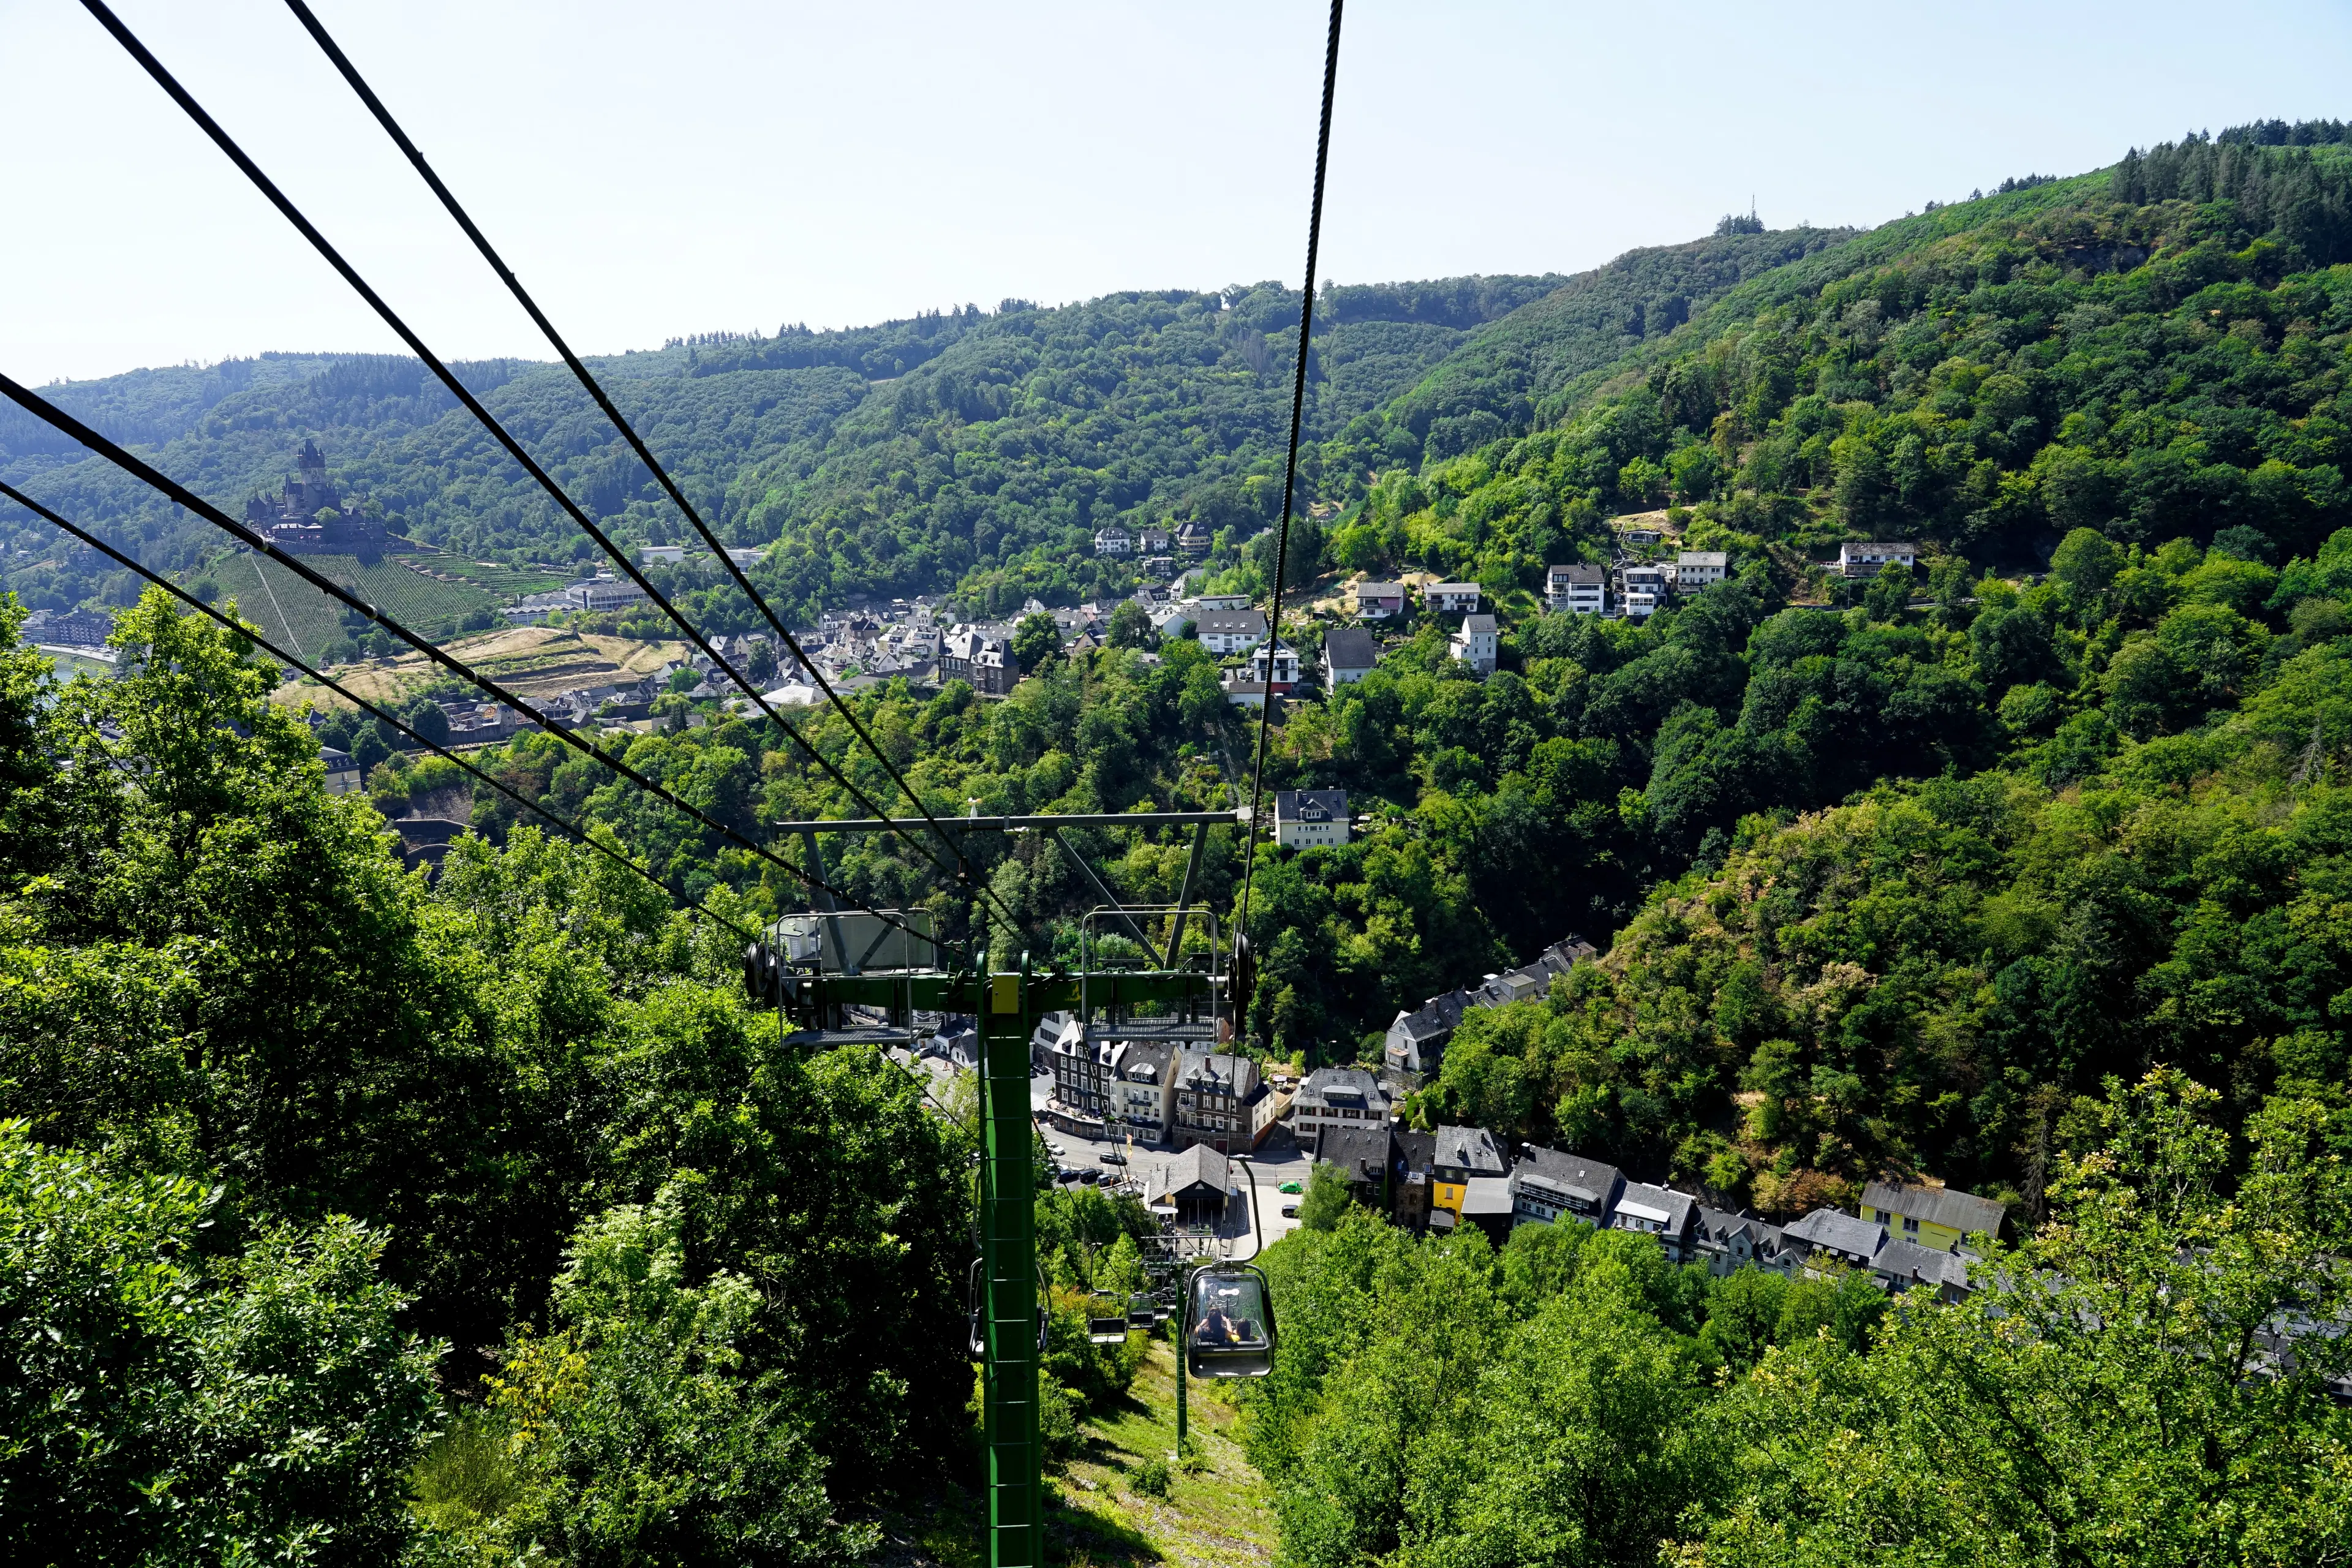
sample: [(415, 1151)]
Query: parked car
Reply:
[(1113, 1157), (1292, 1187), (1290, 1211)]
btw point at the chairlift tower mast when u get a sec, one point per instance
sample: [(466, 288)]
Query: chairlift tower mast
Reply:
[(1007, 997)]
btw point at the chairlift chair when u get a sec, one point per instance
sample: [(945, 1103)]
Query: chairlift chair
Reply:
[(1105, 1324), (976, 1315), (1229, 1329), (1143, 1312)]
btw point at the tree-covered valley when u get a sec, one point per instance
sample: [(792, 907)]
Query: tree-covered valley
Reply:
[(2023, 872)]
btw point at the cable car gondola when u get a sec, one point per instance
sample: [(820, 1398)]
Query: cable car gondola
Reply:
[(1229, 1322)]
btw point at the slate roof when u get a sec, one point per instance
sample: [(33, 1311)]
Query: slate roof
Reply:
[(1361, 1153), (1472, 1149), (1479, 623), (1310, 805), (1231, 623), (1963, 1212), (1345, 647), (1674, 1210), (1199, 1166), (1592, 575), (1573, 1174), (1902, 1263), (1352, 1086), (1833, 1230)]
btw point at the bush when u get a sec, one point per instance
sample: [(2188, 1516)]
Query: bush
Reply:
[(1057, 1419), (1151, 1479), (160, 1410)]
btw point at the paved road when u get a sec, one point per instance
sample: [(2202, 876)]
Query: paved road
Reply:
[(1276, 1160)]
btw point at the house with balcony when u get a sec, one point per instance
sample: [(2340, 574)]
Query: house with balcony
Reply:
[(1644, 589), (1223, 631), (1376, 601), (1696, 571), (1576, 590), (1662, 1212), (1869, 560), (1139, 1092), (1219, 1100), (1549, 1186), (1113, 539), (1451, 598)]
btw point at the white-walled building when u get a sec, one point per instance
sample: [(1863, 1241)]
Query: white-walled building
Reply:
[(1576, 590), (1869, 560), (1697, 569), (1311, 819), (1474, 644), (1451, 598)]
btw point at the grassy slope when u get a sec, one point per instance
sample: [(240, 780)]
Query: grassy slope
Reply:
[(1221, 1516)]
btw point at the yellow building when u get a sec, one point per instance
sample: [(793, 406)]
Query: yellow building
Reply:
[(1939, 1218)]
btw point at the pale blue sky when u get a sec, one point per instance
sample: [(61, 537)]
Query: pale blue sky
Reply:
[(699, 165)]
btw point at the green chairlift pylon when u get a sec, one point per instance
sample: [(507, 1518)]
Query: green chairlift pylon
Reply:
[(898, 977)]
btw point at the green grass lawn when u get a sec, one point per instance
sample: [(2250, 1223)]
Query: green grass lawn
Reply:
[(1217, 1514)]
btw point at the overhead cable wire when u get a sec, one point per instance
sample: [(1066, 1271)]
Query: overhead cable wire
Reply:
[(1290, 464), (678, 899), (59, 420), (295, 661), (457, 389), (595, 389)]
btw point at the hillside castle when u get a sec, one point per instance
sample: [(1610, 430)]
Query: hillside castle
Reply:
[(310, 517)]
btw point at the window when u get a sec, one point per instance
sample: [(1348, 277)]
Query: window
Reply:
[(1911, 1227)]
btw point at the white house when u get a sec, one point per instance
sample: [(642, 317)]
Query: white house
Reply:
[(1154, 541), (1869, 560), (1311, 819), (342, 773), (1337, 1097), (1113, 539), (604, 592), (1276, 666), (1697, 569), (1349, 655), (1229, 631), (1576, 590), (1451, 598), (1645, 589), (1473, 645)]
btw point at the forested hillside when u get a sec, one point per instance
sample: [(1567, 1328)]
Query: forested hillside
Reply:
[(2026, 873)]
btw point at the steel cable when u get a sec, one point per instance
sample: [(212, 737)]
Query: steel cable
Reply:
[(628, 432), (318, 242), (66, 423), (296, 662), (1290, 467)]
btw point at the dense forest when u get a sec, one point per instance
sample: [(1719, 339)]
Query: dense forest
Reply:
[(2022, 873)]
